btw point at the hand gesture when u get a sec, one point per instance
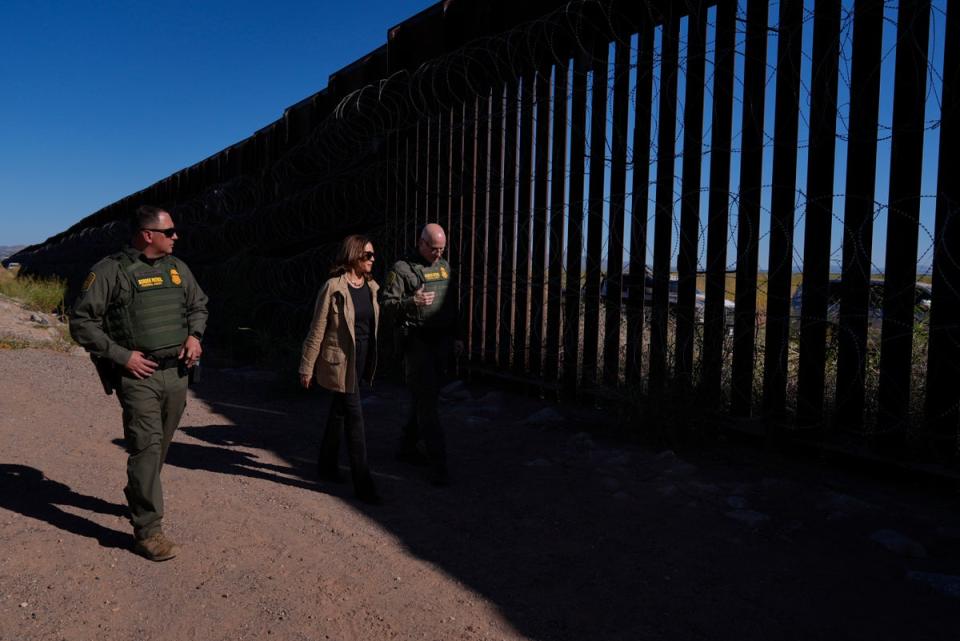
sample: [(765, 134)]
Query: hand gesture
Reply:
[(423, 298), (190, 351), (140, 366)]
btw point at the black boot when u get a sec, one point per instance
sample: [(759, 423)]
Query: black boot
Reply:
[(329, 473), (410, 454), (365, 490), (438, 475)]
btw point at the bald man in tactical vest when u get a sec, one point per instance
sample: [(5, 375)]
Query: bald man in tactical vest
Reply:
[(421, 299), (141, 315)]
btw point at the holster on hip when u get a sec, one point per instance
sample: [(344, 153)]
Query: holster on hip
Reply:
[(108, 373)]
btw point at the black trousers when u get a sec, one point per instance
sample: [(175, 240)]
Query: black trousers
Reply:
[(346, 415), (426, 359)]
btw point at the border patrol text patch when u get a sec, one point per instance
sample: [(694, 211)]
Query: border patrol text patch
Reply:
[(150, 281)]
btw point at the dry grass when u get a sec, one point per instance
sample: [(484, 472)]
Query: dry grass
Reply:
[(14, 342), (36, 294), (730, 286), (63, 342)]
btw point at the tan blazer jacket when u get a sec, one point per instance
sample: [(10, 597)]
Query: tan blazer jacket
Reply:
[(329, 350)]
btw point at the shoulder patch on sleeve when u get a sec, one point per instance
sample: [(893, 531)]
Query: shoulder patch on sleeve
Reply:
[(391, 278), (88, 282)]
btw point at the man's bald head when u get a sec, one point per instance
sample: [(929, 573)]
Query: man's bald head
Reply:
[(432, 242)]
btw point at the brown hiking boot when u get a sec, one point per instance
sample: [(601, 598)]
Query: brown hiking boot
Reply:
[(156, 547)]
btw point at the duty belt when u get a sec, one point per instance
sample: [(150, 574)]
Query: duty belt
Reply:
[(163, 362)]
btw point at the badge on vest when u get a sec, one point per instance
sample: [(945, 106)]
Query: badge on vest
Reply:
[(443, 273), (175, 277)]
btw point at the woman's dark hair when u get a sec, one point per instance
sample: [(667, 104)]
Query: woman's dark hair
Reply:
[(350, 254)]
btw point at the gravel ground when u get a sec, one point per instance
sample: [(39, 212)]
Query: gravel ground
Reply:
[(547, 533)]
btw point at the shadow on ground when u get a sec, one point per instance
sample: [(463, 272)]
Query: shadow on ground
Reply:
[(26, 490), (576, 539)]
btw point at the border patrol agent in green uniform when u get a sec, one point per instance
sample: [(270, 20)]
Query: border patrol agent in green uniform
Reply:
[(141, 315), (421, 299)]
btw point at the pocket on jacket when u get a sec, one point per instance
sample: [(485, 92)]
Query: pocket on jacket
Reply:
[(332, 355)]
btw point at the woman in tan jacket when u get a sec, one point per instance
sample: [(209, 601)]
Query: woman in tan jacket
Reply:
[(339, 351)]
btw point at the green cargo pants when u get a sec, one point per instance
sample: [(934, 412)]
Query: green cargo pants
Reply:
[(152, 408)]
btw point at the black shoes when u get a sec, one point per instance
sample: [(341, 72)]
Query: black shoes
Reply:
[(439, 476), (369, 496), (366, 491), (329, 474), (410, 455)]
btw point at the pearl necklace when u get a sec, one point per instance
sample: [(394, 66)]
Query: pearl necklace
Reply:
[(351, 283)]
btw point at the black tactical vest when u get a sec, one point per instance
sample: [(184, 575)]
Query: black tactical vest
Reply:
[(151, 312)]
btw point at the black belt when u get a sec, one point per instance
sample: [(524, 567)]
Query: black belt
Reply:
[(163, 362)]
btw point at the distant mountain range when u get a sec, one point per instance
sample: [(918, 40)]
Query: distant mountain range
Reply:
[(9, 250)]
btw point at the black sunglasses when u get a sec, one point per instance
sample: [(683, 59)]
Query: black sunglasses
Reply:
[(367, 255), (169, 232)]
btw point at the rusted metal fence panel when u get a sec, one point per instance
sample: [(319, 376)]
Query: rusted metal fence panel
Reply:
[(748, 209), (903, 216), (643, 107), (663, 219), (595, 202), (540, 215), (408, 172), (571, 299), (858, 213), (494, 227), (510, 125), (780, 271), (943, 365), (508, 269), (444, 162), (819, 214), (558, 173), (618, 199), (458, 147), (521, 310), (480, 219), (462, 253), (689, 234), (718, 207)]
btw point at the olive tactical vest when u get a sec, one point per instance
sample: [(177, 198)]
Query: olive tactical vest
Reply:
[(151, 312), (434, 278)]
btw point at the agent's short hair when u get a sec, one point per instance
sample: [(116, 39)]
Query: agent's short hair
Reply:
[(145, 217)]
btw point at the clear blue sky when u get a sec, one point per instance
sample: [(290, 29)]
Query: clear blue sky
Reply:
[(103, 98)]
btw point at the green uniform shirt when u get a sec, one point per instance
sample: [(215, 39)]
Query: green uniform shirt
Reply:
[(405, 278), (106, 286)]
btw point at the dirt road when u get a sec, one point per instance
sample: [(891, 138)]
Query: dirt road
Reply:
[(547, 533)]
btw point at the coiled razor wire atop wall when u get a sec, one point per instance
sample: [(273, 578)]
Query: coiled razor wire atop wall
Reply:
[(740, 198)]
